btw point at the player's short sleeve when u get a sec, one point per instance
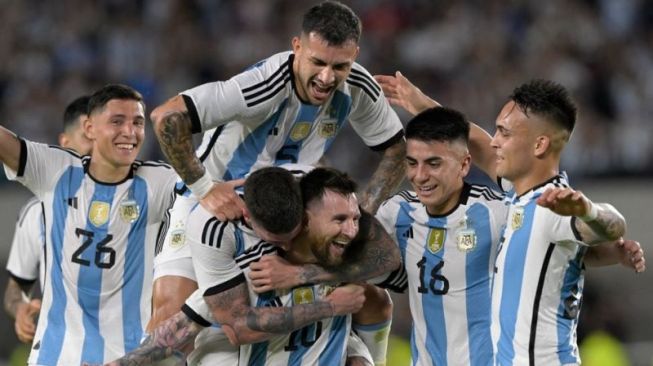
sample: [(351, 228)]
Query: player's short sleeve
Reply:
[(213, 246), (25, 252), (41, 165), (371, 116), (197, 309), (561, 229), (161, 180), (387, 216)]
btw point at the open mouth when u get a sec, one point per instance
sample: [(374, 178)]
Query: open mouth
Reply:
[(319, 91), (126, 147), (338, 247)]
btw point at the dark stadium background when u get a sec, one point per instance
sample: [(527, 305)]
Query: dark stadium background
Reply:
[(466, 54)]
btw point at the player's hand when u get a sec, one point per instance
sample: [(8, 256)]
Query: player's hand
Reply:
[(223, 202), (346, 299), (272, 272), (565, 201), (357, 361), (402, 93), (26, 315), (631, 255)]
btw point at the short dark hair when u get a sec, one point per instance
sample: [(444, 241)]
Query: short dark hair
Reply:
[(100, 98), (273, 199), (75, 109), (335, 22), (547, 99), (438, 124), (317, 181)]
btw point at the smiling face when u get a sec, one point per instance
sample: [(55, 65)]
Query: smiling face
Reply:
[(320, 68), (332, 223), (514, 143), (436, 170), (117, 131)]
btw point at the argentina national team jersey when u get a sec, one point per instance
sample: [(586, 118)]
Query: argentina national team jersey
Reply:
[(26, 252), (448, 260), (222, 258), (275, 127), (538, 284), (99, 245)]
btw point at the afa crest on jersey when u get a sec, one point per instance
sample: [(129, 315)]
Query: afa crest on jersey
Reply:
[(517, 218), (327, 129), (98, 214), (300, 131), (435, 239), (129, 211), (303, 295), (466, 240)]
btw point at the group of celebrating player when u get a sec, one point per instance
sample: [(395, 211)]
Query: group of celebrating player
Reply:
[(263, 259)]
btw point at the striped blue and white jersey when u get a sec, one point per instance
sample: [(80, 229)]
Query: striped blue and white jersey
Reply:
[(99, 246), (275, 126), (448, 260), (26, 253), (538, 284), (221, 257)]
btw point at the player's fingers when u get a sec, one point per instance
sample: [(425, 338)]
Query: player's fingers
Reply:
[(236, 182)]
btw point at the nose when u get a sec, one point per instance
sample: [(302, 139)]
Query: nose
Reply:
[(326, 75), (420, 173), (494, 143), (350, 228), (128, 129)]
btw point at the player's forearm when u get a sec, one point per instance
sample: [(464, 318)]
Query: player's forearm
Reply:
[(602, 255), (483, 155), (379, 255), (387, 177), (168, 340), (13, 297), (609, 225), (173, 131)]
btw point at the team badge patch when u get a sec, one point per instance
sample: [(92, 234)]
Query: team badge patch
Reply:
[(302, 295), (129, 211), (466, 240), (327, 130), (435, 240), (300, 131), (98, 215), (517, 219), (177, 238)]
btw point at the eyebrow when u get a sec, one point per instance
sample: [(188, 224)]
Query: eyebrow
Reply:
[(319, 60), (428, 160)]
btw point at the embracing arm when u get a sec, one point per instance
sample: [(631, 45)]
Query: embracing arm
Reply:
[(386, 178), (243, 323), (9, 149), (167, 340), (628, 253)]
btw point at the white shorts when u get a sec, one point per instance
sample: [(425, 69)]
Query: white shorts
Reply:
[(174, 257)]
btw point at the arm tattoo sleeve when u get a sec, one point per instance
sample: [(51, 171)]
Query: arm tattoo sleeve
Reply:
[(608, 225), (14, 296), (168, 340), (386, 178), (176, 140)]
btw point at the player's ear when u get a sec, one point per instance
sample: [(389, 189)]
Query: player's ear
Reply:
[(296, 44), (542, 144), (89, 130), (63, 140), (466, 165)]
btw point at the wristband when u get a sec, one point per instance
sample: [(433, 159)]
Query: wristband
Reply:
[(202, 186), (592, 215)]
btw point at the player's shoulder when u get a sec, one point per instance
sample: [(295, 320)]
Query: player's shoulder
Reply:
[(484, 193), (32, 208), (152, 167), (401, 200), (265, 82), (361, 83)]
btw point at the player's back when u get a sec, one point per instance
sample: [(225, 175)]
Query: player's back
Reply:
[(448, 260)]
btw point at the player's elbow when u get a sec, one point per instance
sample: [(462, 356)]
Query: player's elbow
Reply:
[(238, 336)]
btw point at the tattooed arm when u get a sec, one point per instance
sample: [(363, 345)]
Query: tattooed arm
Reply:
[(386, 178), (243, 323), (167, 340), (375, 254), (595, 222), (173, 129), (25, 312)]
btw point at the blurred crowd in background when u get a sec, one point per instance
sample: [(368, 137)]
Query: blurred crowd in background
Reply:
[(466, 54)]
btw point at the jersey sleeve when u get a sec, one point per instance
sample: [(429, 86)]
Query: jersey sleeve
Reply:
[(213, 246), (197, 309), (162, 194), (249, 97), (24, 255), (561, 228), (387, 216), (41, 165), (372, 117)]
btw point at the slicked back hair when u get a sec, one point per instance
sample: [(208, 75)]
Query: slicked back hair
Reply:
[(438, 124), (319, 180), (273, 199), (109, 92), (334, 22), (547, 99), (75, 109)]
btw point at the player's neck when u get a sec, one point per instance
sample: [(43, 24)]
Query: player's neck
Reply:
[(105, 172), (300, 252), (534, 178)]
